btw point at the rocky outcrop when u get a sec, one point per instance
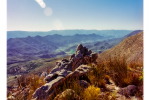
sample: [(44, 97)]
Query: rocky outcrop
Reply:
[(74, 68)]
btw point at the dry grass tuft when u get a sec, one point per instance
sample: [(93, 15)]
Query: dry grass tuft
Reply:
[(27, 84)]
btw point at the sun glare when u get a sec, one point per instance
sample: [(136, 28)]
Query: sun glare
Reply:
[(57, 24)]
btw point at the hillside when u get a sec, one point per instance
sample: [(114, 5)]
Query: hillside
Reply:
[(80, 77), (131, 48)]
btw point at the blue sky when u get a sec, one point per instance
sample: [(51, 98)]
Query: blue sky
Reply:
[(28, 15)]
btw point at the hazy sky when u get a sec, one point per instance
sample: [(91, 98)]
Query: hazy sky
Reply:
[(46, 15)]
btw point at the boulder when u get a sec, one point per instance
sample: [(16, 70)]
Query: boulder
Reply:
[(130, 90), (48, 89)]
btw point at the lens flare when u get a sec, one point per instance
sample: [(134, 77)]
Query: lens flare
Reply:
[(48, 11), (41, 3)]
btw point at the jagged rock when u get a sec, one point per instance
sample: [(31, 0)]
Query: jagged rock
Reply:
[(49, 88), (79, 47), (81, 70), (68, 94), (67, 69), (78, 54), (129, 90), (60, 66)]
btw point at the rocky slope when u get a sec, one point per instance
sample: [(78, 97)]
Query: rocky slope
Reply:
[(131, 48)]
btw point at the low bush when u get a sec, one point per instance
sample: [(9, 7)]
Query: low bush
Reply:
[(91, 93), (118, 71)]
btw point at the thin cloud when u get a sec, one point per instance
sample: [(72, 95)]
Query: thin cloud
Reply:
[(41, 3)]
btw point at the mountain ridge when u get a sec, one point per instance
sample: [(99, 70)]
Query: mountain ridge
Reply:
[(19, 34)]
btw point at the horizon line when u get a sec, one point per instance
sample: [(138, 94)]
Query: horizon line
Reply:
[(75, 29)]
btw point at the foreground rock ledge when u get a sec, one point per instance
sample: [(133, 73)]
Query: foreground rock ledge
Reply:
[(66, 70)]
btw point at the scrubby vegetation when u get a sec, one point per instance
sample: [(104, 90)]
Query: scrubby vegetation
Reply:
[(27, 84), (115, 69), (120, 72)]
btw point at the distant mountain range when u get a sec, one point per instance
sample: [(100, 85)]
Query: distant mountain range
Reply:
[(25, 49), (22, 50), (50, 46), (111, 33)]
